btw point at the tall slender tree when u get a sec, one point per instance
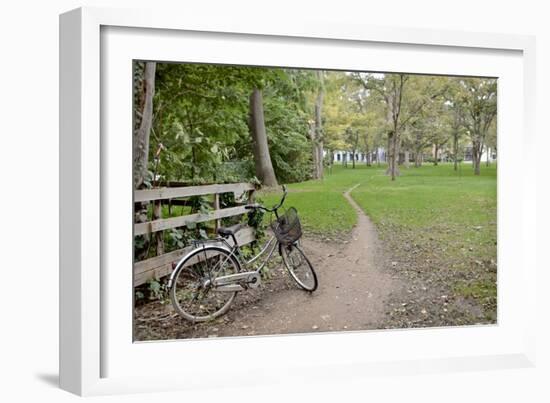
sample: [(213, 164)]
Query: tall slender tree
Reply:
[(262, 159), (145, 89), (479, 98), (316, 133), (390, 87)]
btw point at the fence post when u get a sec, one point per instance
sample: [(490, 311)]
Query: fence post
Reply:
[(159, 235), (146, 268), (217, 207)]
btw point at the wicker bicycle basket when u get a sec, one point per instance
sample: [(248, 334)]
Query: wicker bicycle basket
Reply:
[(287, 227)]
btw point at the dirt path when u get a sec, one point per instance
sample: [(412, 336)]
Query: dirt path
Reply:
[(354, 287)]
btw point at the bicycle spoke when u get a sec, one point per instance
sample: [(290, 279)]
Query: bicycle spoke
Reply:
[(193, 294), (299, 267)]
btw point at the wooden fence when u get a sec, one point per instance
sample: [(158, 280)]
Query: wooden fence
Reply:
[(161, 265)]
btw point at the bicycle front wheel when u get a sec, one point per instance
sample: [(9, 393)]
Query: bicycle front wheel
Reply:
[(192, 293), (299, 266)]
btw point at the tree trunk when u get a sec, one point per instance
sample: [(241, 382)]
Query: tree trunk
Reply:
[(393, 169), (455, 151), (314, 154), (388, 154), (141, 144), (396, 151), (319, 126), (393, 161), (159, 235), (320, 159), (406, 160), (142, 133), (262, 159), (417, 159), (436, 152), (476, 157), (487, 151)]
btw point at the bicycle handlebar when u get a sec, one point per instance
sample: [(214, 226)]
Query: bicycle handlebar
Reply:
[(270, 210)]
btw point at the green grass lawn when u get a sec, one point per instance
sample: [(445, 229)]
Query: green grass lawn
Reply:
[(421, 197), (435, 201), (321, 205), (431, 217)]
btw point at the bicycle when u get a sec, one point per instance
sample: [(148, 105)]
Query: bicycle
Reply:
[(206, 281)]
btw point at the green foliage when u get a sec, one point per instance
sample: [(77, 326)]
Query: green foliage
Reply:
[(152, 290), (286, 119), (255, 219), (201, 111), (200, 130), (200, 114)]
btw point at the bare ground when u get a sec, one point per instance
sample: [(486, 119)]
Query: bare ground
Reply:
[(356, 283)]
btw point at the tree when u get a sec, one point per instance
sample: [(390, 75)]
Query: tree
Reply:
[(316, 129), (288, 109), (390, 88), (457, 130), (418, 138), (352, 139), (338, 112), (368, 117), (349, 120), (201, 119), (262, 159), (144, 95), (455, 118), (479, 99), (367, 139), (145, 92), (439, 126)]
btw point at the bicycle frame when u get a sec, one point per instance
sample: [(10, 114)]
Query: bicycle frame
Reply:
[(238, 281), (235, 250), (244, 279)]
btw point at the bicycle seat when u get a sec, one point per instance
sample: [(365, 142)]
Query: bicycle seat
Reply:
[(227, 231)]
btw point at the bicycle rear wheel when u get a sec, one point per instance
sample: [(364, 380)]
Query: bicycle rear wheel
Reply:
[(299, 266), (192, 293)]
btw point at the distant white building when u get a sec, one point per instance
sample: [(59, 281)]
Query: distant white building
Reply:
[(491, 153), (342, 157)]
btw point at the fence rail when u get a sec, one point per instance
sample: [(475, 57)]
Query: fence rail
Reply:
[(187, 191), (161, 265)]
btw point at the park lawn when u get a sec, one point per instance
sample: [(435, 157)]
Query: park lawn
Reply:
[(459, 209), (323, 210), (433, 219), (425, 197), (444, 224)]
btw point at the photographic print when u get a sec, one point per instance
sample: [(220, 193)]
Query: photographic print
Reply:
[(272, 201)]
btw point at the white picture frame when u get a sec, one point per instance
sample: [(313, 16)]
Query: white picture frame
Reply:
[(97, 353)]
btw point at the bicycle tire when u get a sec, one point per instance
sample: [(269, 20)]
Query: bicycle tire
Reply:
[(301, 271), (183, 284)]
